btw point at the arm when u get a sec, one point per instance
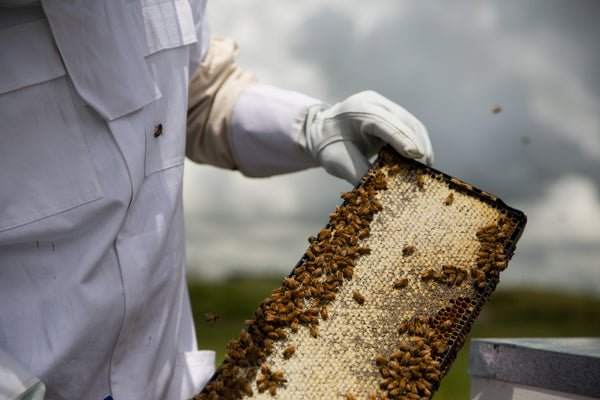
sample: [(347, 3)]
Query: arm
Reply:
[(235, 122)]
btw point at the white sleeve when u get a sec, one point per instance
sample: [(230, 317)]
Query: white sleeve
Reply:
[(265, 125), (16, 383)]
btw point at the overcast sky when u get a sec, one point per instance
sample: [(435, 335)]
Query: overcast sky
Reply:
[(450, 64)]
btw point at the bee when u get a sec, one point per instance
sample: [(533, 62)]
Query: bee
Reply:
[(394, 169), (262, 386), (327, 297), (350, 396), (246, 388), (211, 318), (278, 377), (314, 331), (460, 277), (449, 199), (408, 249), (427, 275), (289, 351), (268, 345), (294, 326), (324, 234), (359, 298), (251, 373), (381, 360), (394, 365), (281, 333), (273, 388), (400, 283), (158, 130), (445, 325), (363, 233), (501, 265), (496, 109), (403, 327), (324, 313), (420, 181)]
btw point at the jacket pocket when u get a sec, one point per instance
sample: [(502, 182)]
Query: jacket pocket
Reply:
[(46, 167), (169, 29), (167, 24)]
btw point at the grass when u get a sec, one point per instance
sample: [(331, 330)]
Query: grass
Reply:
[(508, 313)]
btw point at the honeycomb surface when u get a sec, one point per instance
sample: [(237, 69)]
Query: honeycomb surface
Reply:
[(384, 296)]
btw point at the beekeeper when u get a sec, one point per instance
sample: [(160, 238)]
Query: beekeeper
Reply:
[(94, 112)]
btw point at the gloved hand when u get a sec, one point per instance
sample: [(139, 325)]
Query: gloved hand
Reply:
[(341, 138)]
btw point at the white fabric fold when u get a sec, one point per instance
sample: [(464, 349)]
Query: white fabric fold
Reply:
[(96, 53)]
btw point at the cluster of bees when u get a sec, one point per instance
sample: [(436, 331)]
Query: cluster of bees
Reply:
[(301, 301), (491, 259), (411, 372), (449, 275), (270, 380)]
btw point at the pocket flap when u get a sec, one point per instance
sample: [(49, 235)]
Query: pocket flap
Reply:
[(29, 56), (168, 24)]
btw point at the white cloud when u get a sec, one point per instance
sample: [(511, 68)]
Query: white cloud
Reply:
[(560, 246), (567, 214)]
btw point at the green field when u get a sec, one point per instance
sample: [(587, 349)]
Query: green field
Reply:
[(508, 313)]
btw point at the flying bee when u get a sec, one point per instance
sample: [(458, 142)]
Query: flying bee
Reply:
[(211, 318), (158, 130), (359, 298), (496, 109), (449, 199)]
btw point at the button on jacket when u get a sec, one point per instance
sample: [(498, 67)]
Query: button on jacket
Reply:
[(93, 108)]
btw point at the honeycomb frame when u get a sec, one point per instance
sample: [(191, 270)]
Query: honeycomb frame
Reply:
[(381, 301)]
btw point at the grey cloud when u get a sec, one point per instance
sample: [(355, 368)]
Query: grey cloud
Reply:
[(439, 64), (449, 63)]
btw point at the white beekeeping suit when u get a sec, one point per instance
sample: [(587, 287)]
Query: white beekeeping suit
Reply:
[(94, 128)]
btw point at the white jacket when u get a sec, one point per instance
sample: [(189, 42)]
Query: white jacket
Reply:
[(93, 298)]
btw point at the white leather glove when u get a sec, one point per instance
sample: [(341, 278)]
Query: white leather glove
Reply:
[(341, 138)]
